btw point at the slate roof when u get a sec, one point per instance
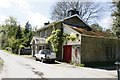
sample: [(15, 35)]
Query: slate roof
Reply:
[(62, 20)]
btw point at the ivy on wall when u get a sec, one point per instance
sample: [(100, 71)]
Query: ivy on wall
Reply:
[(57, 37)]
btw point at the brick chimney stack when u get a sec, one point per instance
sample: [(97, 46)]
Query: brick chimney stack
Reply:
[(72, 12)]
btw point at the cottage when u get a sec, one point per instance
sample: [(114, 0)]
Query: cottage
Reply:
[(90, 46)]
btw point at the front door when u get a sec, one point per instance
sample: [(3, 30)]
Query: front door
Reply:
[(67, 51)]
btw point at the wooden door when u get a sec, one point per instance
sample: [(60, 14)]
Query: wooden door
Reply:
[(67, 51)]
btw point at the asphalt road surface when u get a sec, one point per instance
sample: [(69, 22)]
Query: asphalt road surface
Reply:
[(21, 67)]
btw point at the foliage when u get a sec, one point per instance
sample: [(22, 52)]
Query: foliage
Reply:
[(116, 18), (110, 33), (27, 27), (28, 33), (72, 37), (18, 32), (1, 64), (97, 27), (8, 49), (80, 65), (13, 36), (55, 38), (16, 44)]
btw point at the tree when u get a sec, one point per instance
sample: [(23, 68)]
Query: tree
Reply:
[(9, 29), (87, 10), (18, 32), (29, 38), (27, 27), (110, 33), (13, 36), (28, 33), (116, 18), (97, 27)]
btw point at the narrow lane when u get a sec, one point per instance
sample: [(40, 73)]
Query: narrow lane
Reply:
[(13, 68), (20, 67)]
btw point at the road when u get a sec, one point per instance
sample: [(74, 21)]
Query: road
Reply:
[(21, 67)]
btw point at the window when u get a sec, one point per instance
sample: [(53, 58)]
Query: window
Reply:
[(40, 34), (110, 52), (45, 33), (42, 47)]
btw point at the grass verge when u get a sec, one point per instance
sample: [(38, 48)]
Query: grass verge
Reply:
[(10, 52), (80, 65), (1, 64), (26, 56)]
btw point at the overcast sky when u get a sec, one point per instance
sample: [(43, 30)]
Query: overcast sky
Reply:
[(37, 12)]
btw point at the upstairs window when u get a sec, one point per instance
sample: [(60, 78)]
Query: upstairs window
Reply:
[(45, 33)]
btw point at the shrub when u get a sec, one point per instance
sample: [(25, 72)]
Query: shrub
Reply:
[(8, 49)]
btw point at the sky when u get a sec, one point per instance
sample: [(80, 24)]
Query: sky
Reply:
[(37, 12)]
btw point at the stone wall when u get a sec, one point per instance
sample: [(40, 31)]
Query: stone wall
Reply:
[(98, 49)]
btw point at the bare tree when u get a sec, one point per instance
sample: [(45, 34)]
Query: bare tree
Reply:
[(87, 10)]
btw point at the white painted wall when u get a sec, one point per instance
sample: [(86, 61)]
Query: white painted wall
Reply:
[(69, 30), (75, 44), (76, 54)]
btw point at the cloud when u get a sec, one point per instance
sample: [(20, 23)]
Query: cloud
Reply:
[(37, 19), (5, 4), (106, 22), (22, 10)]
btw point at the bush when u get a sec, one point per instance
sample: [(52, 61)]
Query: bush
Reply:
[(8, 49), (80, 65), (72, 37)]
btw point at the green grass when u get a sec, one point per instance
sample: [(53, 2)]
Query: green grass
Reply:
[(80, 65), (10, 52), (26, 56), (1, 64), (1, 61)]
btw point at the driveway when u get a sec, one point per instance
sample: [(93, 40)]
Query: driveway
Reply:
[(21, 67)]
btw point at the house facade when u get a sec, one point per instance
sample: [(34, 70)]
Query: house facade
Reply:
[(90, 46)]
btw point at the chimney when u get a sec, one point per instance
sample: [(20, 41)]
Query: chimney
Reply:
[(46, 23), (72, 12)]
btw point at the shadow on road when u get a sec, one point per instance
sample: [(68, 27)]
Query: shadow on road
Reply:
[(48, 62), (107, 67)]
